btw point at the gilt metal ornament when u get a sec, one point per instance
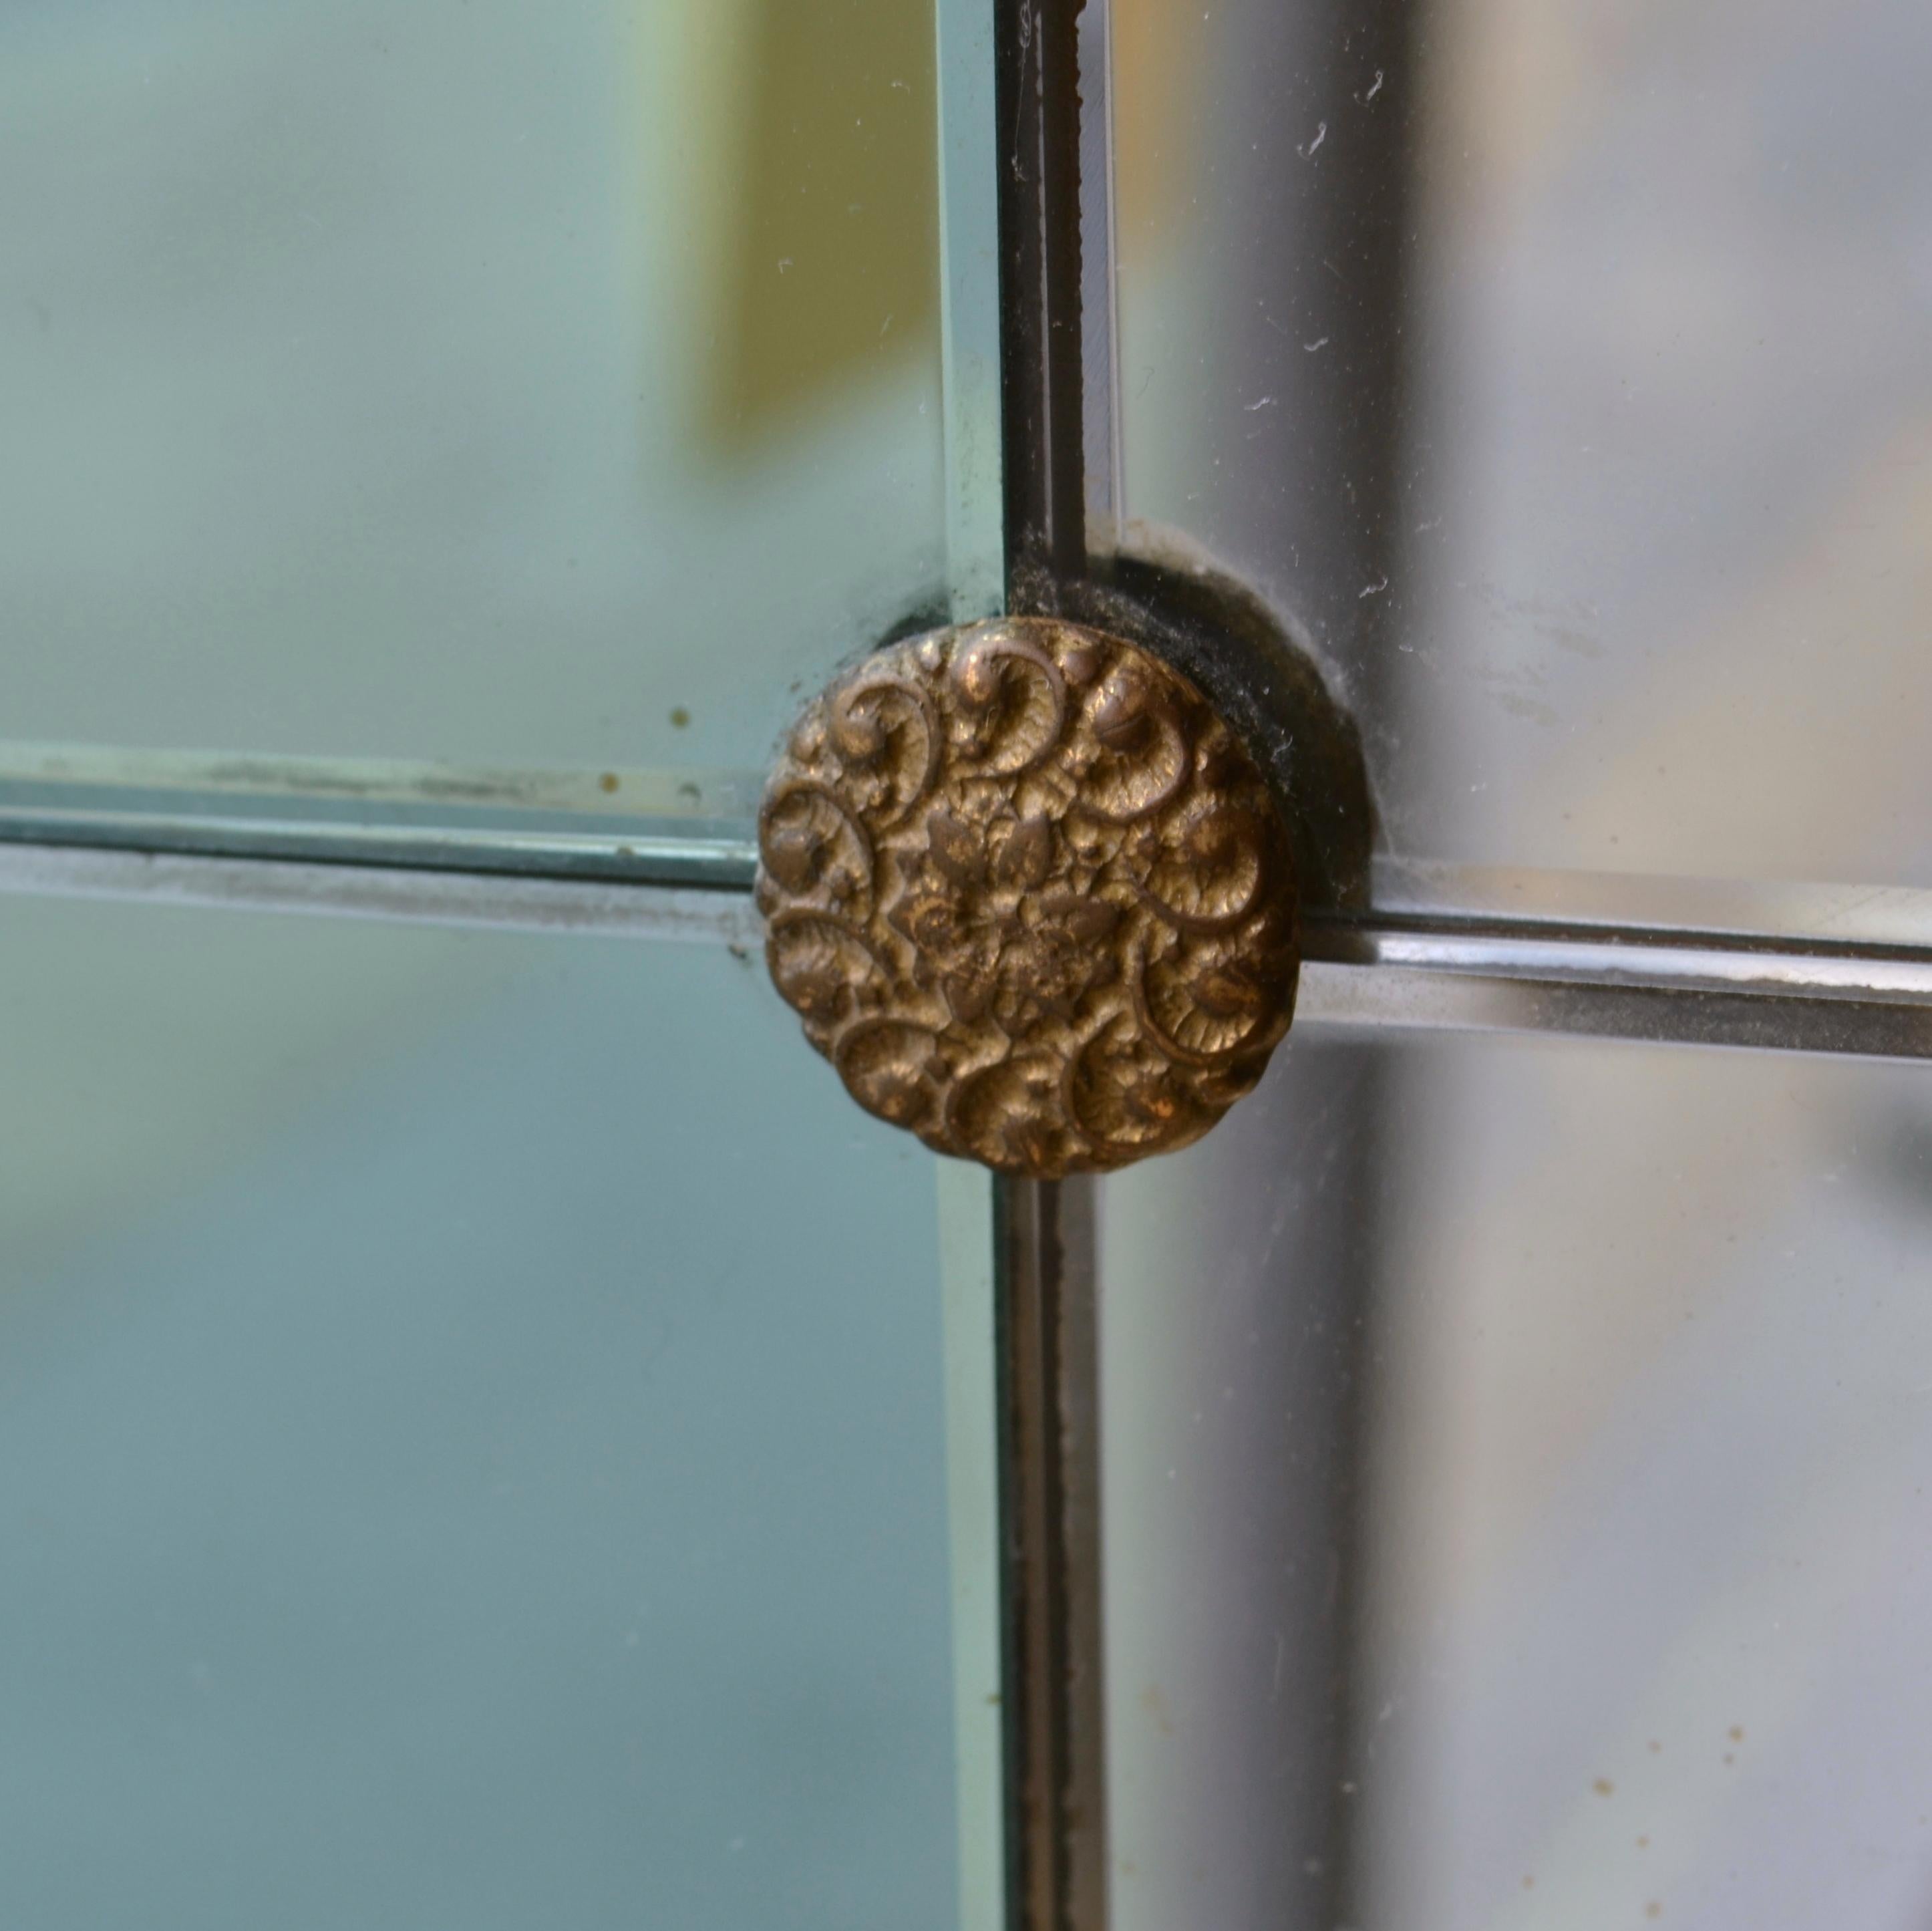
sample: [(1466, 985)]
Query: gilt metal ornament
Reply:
[(1030, 896)]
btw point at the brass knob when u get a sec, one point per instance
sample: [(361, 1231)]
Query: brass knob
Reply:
[(1030, 896)]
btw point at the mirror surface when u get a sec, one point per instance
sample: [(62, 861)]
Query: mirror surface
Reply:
[(464, 383), (471, 1444), (1565, 373), (1517, 1461)]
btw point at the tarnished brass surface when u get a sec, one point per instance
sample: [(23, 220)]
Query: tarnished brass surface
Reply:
[(1030, 896)]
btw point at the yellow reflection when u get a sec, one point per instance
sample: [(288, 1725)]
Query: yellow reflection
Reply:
[(817, 249)]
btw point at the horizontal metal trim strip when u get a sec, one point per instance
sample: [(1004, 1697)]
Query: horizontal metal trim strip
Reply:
[(1712, 963), (725, 863), (1406, 970), (386, 892), (1378, 998)]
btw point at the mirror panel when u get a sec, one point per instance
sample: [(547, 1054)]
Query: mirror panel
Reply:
[(459, 1464), (1562, 374), (544, 389), (1517, 1457)]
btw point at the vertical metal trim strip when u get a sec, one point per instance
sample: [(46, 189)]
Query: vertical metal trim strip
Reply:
[(1056, 1847), (1038, 96)]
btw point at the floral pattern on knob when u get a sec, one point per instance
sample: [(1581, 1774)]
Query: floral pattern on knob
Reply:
[(1030, 896)]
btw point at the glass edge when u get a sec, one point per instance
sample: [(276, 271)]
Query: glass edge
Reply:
[(967, 1286), (969, 309)]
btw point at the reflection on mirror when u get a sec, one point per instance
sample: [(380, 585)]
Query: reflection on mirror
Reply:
[(1518, 1474), (1649, 1495), (456, 1470), (473, 383), (1564, 371)]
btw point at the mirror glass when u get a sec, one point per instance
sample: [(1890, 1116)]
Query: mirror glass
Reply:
[(471, 1441), (1517, 1456), (1564, 374), (493, 386)]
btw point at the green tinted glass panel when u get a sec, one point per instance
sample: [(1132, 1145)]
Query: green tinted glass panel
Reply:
[(466, 382), (459, 1466)]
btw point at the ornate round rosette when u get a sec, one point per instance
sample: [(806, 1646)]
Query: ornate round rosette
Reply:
[(1030, 896)]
